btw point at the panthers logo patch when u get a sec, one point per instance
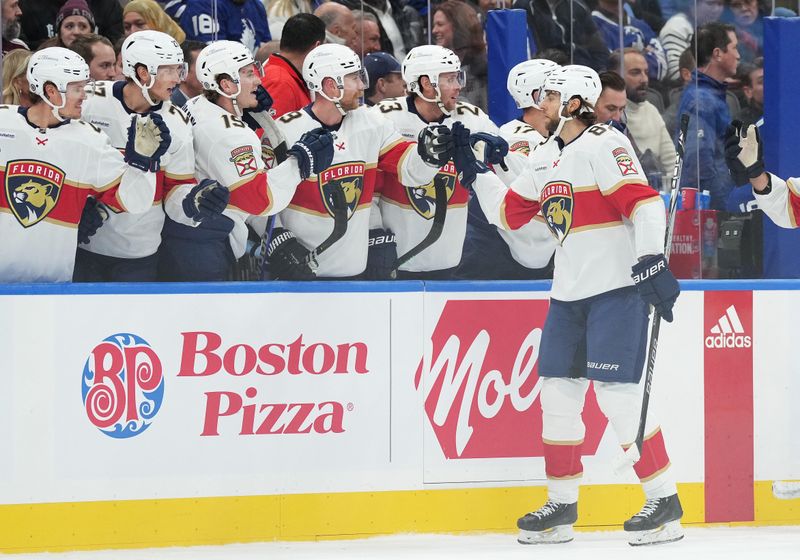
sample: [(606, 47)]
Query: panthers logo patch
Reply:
[(32, 189), (557, 207), (423, 199), (349, 178)]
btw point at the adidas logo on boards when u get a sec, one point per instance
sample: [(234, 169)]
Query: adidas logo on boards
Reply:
[(728, 332)]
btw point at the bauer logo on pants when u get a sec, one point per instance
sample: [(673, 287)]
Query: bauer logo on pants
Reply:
[(32, 189)]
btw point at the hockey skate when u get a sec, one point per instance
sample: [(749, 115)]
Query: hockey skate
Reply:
[(550, 524), (658, 522)]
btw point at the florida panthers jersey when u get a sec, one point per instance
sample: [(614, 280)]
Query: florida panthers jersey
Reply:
[(126, 235), (229, 152), (596, 202), (531, 245), (782, 204), (363, 144), (47, 176), (408, 211)]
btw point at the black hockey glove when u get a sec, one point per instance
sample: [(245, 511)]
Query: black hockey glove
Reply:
[(314, 152), (656, 284), (467, 165), (744, 152), (207, 198), (264, 104), (94, 215), (495, 149), (148, 140), (435, 145), (286, 257), (382, 255)]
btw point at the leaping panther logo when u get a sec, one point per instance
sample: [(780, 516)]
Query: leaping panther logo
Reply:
[(347, 177), (557, 207), (423, 199), (32, 189)]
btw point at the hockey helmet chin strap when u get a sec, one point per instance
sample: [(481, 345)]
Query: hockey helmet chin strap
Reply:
[(336, 101), (56, 108), (564, 119), (437, 100), (146, 89)]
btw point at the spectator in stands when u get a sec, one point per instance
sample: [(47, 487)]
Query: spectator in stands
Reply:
[(38, 17), (244, 21), (11, 27), (566, 25), (751, 76), (16, 90), (279, 11), (649, 11), (385, 77), (368, 33), (139, 15), (267, 50), (686, 66), (611, 103), (283, 76), (636, 33), (747, 17), (98, 52), (340, 24), (704, 100), (677, 33), (73, 20), (191, 86), (645, 124), (456, 27)]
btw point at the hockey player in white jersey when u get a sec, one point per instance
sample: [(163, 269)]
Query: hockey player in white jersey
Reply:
[(125, 248), (492, 253), (434, 79), (206, 231), (778, 198), (52, 162), (587, 183), (364, 143)]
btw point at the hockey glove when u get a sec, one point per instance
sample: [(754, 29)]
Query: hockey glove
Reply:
[(467, 165), (264, 104), (435, 145), (656, 284), (382, 255), (286, 257), (207, 198), (744, 152), (494, 148), (314, 152), (148, 140), (94, 215)]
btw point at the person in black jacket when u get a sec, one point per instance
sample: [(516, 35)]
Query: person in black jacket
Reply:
[(571, 30), (39, 19)]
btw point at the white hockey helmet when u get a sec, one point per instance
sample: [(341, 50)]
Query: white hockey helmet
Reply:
[(574, 81), (151, 49), (335, 62), (431, 61), (526, 79), (222, 57), (58, 66)]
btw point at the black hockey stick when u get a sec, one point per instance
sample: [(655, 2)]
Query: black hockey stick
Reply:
[(440, 197), (339, 206), (634, 452)]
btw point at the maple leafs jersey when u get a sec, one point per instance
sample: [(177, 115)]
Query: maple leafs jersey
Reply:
[(47, 176), (408, 211), (229, 152), (596, 202), (364, 144), (131, 236)]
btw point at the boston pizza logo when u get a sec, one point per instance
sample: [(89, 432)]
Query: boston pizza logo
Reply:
[(123, 385), (348, 178), (557, 207), (32, 189), (423, 199)]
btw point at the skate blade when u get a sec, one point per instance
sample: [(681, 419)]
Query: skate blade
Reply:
[(667, 533), (555, 535)]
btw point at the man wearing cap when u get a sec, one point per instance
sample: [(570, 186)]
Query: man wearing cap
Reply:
[(385, 78)]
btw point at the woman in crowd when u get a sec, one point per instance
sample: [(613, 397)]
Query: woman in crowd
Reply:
[(16, 90), (139, 15)]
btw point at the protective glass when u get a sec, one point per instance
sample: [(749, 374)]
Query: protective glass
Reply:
[(351, 80), (453, 79)]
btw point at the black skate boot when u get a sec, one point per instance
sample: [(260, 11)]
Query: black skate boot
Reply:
[(657, 523), (550, 524)]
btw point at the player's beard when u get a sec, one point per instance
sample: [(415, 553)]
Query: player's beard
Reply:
[(11, 30)]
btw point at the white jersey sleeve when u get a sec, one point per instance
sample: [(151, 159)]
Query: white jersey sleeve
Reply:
[(782, 203)]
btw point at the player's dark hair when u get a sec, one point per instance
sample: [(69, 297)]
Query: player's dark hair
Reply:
[(83, 45), (301, 33), (190, 49), (712, 35), (611, 80), (212, 95)]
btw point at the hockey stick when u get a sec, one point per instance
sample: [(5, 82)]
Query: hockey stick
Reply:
[(339, 227), (634, 452), (440, 197), (786, 489)]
